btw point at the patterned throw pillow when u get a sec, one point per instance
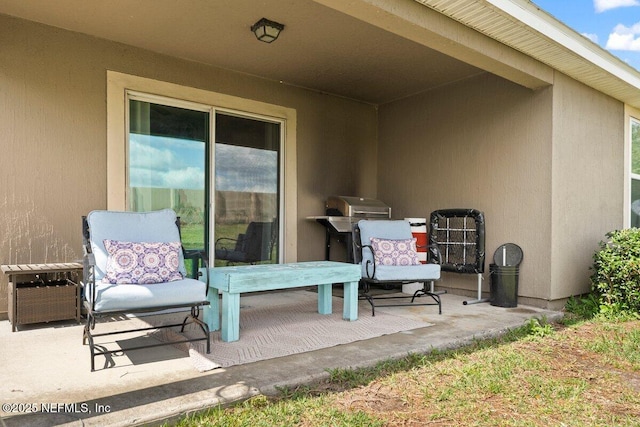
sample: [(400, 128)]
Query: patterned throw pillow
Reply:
[(142, 263), (395, 252)]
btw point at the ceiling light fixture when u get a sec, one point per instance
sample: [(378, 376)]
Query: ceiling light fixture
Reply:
[(266, 30)]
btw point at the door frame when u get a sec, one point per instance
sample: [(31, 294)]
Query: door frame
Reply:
[(630, 114), (117, 86)]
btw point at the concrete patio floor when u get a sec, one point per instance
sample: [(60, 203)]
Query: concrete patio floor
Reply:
[(47, 367)]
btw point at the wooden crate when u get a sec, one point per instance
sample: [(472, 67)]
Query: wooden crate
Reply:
[(48, 302), (4, 298), (43, 292)]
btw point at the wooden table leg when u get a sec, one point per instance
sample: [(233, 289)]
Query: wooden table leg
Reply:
[(13, 309), (325, 298), (350, 304), (211, 312), (230, 317)]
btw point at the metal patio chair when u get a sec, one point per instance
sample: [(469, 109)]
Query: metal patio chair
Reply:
[(252, 246), (134, 263), (386, 250)]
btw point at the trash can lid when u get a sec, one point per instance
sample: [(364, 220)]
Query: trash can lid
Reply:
[(507, 255)]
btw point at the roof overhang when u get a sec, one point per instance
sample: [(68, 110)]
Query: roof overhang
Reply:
[(374, 51), (526, 28), (436, 30)]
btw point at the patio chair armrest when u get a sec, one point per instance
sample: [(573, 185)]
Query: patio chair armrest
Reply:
[(206, 279), (434, 253), (196, 255), (89, 260), (220, 242), (89, 277), (204, 256), (199, 255), (370, 276)]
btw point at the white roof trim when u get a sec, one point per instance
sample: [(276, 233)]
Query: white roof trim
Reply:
[(557, 31), (523, 26)]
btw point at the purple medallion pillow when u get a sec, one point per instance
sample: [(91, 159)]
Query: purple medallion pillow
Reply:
[(142, 262), (395, 252)]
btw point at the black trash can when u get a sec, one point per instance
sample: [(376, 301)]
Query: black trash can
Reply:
[(504, 286), (504, 274)]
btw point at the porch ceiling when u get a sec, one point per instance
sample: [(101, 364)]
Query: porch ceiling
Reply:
[(320, 48)]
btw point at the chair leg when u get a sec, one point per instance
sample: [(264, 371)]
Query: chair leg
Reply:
[(194, 316), (93, 355), (365, 295), (434, 295), (92, 351), (87, 337), (369, 298), (85, 333), (98, 350)]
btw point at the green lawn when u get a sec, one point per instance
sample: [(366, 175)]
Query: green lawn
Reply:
[(586, 374), (193, 236)]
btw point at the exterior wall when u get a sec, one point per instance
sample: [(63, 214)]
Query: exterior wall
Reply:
[(53, 121), (336, 156), (588, 180), (482, 143)]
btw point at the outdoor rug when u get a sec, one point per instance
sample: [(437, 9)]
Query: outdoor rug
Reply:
[(280, 324)]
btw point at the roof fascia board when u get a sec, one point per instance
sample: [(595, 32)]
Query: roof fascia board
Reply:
[(546, 25), (526, 28), (423, 25)]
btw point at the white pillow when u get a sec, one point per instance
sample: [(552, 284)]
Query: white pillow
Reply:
[(142, 262), (395, 252)]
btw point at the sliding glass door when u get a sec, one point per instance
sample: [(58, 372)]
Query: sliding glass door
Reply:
[(247, 171), (226, 194), (168, 148)]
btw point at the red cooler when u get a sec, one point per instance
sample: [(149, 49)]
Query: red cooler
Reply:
[(419, 231)]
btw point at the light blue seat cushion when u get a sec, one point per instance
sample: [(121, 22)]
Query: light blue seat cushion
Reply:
[(155, 226), (396, 230), (411, 272), (112, 297)]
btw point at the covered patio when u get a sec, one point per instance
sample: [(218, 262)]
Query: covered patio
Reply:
[(422, 104), (47, 365), (480, 105)]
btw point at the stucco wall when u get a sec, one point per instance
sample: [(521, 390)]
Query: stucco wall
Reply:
[(53, 121), (588, 180), (482, 143)]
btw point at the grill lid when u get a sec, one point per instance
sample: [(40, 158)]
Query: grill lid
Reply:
[(359, 207), (339, 224)]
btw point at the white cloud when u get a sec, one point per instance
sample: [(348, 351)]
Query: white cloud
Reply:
[(189, 177), (625, 38), (174, 163), (602, 5), (590, 36), (165, 162), (246, 169)]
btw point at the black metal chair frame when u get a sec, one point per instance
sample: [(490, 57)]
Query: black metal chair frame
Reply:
[(463, 244), (365, 283), (89, 281), (239, 253)]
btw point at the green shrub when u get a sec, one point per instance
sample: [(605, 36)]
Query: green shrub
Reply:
[(538, 327), (616, 276), (583, 307)]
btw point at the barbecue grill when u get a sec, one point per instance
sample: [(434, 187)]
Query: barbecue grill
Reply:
[(342, 212)]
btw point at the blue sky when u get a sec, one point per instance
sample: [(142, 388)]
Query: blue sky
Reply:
[(612, 24)]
